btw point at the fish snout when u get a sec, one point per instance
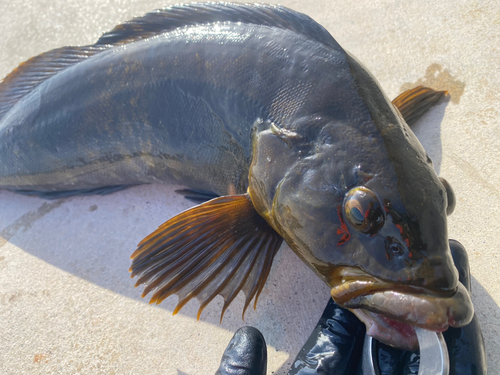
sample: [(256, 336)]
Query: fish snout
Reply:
[(438, 275)]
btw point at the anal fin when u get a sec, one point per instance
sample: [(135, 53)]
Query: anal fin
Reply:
[(414, 103), (216, 248)]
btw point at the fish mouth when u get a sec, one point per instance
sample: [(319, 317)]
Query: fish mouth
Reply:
[(390, 310)]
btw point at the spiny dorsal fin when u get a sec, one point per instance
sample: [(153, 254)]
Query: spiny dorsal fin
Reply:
[(31, 73), (219, 247), (37, 69), (164, 20)]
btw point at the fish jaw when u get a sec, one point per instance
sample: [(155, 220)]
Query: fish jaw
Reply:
[(387, 330), (391, 311)]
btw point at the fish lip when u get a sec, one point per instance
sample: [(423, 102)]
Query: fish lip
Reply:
[(353, 282), (431, 313), (357, 287), (416, 306)]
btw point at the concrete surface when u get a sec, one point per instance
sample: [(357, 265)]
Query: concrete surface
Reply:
[(67, 304)]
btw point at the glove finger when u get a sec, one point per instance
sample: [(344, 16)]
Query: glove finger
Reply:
[(461, 261), (466, 344), (466, 349), (246, 354), (390, 361), (334, 347)]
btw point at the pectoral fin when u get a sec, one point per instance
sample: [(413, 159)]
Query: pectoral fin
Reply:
[(414, 103), (219, 247)]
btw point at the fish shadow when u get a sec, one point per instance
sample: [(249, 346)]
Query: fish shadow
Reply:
[(93, 237), (428, 131), (488, 314)]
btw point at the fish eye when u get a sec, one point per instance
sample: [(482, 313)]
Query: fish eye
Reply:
[(363, 210)]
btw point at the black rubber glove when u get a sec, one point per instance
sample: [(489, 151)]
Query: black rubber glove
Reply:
[(246, 354), (336, 344), (334, 347)]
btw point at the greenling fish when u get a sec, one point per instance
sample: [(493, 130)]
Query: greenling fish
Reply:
[(259, 108)]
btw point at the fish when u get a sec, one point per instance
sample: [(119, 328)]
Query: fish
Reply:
[(275, 130)]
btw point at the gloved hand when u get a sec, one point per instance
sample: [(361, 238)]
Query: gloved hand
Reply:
[(336, 344)]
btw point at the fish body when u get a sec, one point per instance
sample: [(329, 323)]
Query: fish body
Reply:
[(260, 105), (177, 107)]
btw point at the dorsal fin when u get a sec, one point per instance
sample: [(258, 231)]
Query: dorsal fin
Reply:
[(167, 19), (34, 71), (31, 73)]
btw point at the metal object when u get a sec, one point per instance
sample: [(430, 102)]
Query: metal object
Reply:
[(368, 365), (434, 358)]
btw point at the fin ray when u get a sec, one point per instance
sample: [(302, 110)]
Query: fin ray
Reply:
[(253, 285), (190, 268), (208, 278), (34, 71), (184, 15), (231, 293), (211, 286), (163, 250), (216, 248), (414, 103), (28, 75), (179, 265)]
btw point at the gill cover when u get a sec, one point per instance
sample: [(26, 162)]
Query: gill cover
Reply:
[(355, 188)]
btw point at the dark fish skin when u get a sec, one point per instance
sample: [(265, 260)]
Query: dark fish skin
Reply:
[(238, 99), (178, 107)]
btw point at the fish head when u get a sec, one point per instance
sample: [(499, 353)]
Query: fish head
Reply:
[(368, 215)]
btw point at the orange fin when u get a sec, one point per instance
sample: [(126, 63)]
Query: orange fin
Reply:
[(219, 247), (414, 103)]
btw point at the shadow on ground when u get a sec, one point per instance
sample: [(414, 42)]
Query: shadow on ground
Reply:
[(93, 237)]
